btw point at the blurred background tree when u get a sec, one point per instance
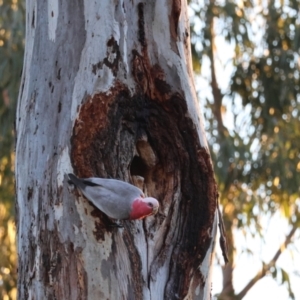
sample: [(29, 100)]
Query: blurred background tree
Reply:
[(246, 54), (252, 116), (12, 27)]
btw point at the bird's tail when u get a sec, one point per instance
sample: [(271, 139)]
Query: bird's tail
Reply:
[(81, 182), (75, 180)]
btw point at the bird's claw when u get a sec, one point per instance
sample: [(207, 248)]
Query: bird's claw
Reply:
[(114, 224)]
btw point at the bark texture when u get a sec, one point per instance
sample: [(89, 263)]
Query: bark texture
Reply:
[(107, 91)]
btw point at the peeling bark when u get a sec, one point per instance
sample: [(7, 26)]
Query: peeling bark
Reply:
[(108, 92)]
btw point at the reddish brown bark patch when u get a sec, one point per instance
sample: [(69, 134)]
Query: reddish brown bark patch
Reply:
[(92, 120), (174, 18), (150, 79)]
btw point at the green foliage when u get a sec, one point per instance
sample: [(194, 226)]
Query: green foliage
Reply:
[(283, 277), (262, 151), (257, 157), (12, 24)]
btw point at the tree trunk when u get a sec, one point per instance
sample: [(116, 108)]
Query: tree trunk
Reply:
[(107, 91)]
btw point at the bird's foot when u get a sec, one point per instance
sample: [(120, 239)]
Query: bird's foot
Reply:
[(117, 224)]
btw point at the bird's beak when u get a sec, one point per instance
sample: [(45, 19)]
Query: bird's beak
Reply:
[(155, 210)]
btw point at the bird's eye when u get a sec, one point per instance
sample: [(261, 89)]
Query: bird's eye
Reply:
[(150, 204)]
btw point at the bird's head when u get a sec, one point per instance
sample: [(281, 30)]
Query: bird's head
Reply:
[(143, 207)]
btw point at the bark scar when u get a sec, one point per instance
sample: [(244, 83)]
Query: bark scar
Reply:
[(141, 25)]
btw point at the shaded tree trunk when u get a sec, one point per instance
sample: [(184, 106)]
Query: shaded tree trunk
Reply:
[(107, 91)]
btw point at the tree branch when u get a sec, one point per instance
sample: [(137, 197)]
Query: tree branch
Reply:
[(266, 268), (223, 241), (217, 94)]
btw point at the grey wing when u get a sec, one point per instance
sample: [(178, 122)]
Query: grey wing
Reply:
[(115, 185), (113, 197), (111, 203)]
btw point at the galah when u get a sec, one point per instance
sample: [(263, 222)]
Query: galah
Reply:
[(116, 198)]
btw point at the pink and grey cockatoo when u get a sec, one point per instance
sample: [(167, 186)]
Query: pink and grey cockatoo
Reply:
[(116, 198)]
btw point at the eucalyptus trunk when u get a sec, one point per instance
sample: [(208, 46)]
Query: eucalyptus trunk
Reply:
[(107, 91)]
